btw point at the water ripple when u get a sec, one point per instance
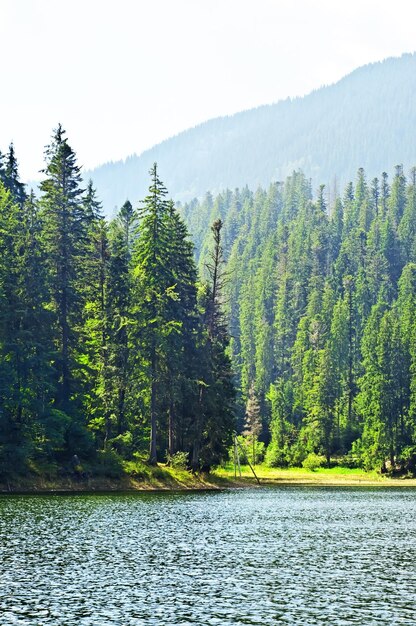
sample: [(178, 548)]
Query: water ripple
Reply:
[(300, 556)]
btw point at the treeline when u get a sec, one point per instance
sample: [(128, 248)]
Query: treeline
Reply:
[(110, 346), (321, 304)]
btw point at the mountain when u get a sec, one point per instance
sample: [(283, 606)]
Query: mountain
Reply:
[(367, 119)]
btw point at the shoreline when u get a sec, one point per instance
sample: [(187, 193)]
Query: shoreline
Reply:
[(166, 480)]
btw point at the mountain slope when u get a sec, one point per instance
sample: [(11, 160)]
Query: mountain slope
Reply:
[(367, 119)]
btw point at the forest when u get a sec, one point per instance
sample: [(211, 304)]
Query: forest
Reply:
[(291, 322), (321, 298), (110, 346)]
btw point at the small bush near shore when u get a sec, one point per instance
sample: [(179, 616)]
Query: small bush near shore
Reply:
[(313, 461)]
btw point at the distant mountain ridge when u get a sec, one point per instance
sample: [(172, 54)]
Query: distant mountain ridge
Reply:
[(367, 119)]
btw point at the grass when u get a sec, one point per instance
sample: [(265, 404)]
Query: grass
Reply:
[(137, 475), (298, 475), (162, 476), (131, 476)]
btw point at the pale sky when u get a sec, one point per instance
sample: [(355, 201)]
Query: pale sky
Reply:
[(123, 75)]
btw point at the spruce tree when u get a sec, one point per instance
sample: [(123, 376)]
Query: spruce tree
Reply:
[(154, 290), (11, 177), (180, 371), (120, 318), (65, 238), (215, 424), (27, 422)]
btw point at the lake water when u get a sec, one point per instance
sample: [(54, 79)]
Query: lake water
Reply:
[(300, 556)]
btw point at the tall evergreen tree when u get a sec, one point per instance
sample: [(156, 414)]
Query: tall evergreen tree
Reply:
[(154, 289), (65, 238), (11, 177), (26, 416), (215, 424), (120, 319)]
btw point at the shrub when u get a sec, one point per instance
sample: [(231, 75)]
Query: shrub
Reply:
[(313, 461), (179, 460), (296, 455), (108, 464), (123, 443), (275, 457)]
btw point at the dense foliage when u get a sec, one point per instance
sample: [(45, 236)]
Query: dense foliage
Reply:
[(109, 345), (321, 304)]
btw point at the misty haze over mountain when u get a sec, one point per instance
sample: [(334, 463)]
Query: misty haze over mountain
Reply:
[(367, 119)]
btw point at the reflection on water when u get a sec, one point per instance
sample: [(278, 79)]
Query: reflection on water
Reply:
[(300, 556)]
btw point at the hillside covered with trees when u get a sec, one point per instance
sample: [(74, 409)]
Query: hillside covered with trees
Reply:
[(298, 331), (110, 347), (321, 302), (366, 119)]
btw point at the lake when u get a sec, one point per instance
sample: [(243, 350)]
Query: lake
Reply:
[(278, 555)]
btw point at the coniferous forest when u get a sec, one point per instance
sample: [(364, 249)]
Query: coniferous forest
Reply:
[(321, 302), (110, 347), (298, 331)]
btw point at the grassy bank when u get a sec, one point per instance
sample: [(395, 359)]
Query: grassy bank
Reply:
[(135, 477), (141, 477), (342, 476)]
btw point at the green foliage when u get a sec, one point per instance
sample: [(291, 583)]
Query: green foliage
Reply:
[(103, 345), (108, 463), (179, 460), (283, 433), (247, 452), (313, 461), (111, 346), (321, 310), (215, 424)]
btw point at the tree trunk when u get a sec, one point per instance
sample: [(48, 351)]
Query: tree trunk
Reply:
[(120, 410), (197, 439), (65, 357), (350, 357), (171, 429), (153, 425)]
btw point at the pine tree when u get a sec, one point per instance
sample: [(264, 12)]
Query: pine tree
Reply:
[(12, 361), (407, 226), (181, 342), (282, 427), (26, 416), (120, 318), (154, 292), (380, 399), (65, 238), (215, 425), (397, 197), (11, 177), (94, 264)]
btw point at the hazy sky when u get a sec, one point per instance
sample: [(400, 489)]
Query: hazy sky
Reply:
[(122, 75)]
